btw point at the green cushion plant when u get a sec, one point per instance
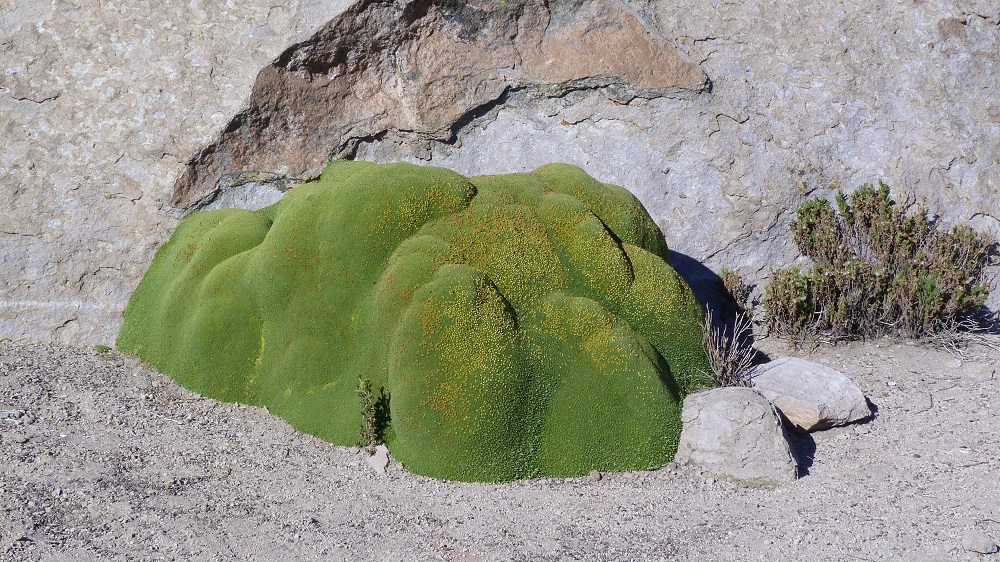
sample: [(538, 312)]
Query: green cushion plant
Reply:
[(512, 326)]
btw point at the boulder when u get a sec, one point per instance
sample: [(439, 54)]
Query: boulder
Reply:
[(393, 68), (810, 396), (735, 432)]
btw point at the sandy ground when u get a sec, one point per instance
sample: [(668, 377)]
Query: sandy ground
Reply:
[(102, 458)]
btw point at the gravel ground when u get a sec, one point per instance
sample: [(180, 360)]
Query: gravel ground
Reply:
[(106, 459)]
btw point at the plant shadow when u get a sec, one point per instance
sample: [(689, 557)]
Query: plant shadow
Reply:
[(710, 290), (383, 418)]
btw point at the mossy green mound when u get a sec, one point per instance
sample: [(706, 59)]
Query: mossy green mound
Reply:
[(519, 325)]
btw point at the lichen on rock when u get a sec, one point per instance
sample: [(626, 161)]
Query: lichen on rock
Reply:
[(520, 325)]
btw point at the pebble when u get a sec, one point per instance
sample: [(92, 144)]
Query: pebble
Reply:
[(594, 476), (380, 460), (975, 541), (978, 373)]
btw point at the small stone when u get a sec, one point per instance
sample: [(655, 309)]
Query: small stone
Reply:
[(380, 460), (18, 438), (977, 372), (975, 541), (18, 532), (735, 431), (594, 476), (811, 396)]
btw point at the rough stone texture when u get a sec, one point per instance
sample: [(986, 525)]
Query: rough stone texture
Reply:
[(805, 96), (419, 69), (735, 432), (977, 372), (103, 105), (811, 396)]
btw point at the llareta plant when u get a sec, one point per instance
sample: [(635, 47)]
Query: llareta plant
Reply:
[(516, 325)]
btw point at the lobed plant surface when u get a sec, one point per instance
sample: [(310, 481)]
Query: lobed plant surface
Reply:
[(878, 270), (511, 326)]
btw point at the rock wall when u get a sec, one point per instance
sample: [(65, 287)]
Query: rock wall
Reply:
[(101, 105), (806, 97), (112, 114)]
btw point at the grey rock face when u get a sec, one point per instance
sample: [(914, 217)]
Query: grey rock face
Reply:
[(735, 432), (101, 105), (105, 109), (805, 98), (810, 395)]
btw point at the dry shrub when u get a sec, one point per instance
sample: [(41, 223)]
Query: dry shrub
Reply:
[(738, 291), (729, 351), (729, 344), (878, 270)]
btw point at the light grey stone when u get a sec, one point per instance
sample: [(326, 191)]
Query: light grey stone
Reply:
[(977, 372), (734, 432), (380, 460), (975, 541), (811, 396)]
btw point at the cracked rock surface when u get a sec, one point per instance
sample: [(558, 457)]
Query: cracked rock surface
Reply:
[(101, 104), (416, 71), (115, 114), (806, 97)]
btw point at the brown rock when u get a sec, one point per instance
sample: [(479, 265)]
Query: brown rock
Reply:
[(416, 69), (952, 27)]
